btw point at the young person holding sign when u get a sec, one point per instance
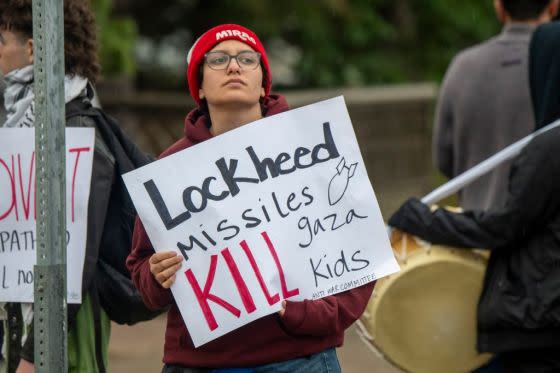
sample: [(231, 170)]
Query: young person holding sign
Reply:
[(230, 79)]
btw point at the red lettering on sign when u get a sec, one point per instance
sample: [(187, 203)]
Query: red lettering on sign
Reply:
[(23, 173), (78, 151), (285, 292), (11, 175), (270, 299), (203, 296), (26, 198), (244, 292)]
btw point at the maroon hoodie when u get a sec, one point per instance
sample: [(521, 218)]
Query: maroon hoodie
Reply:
[(307, 327)]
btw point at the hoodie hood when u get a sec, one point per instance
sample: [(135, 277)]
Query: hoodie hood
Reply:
[(197, 127), (544, 73)]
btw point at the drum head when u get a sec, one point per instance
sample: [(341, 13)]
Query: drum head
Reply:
[(423, 318)]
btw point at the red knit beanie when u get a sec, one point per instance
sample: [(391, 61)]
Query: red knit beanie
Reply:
[(214, 36)]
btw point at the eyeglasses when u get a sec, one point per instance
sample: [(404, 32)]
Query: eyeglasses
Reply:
[(220, 60)]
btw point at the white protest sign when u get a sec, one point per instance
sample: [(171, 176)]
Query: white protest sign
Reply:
[(281, 208), (18, 210)]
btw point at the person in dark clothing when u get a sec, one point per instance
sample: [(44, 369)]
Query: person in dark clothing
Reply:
[(544, 72), (519, 308), (88, 325), (1, 343)]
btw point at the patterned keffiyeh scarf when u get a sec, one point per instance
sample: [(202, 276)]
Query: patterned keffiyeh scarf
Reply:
[(19, 96)]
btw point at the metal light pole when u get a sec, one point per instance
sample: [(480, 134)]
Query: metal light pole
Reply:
[(50, 272)]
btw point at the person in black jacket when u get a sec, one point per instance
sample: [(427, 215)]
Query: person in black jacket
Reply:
[(88, 323), (519, 308)]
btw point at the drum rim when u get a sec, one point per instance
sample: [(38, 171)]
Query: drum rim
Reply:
[(417, 258), (435, 253)]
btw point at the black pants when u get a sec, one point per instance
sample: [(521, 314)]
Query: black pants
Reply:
[(531, 361), (1, 339)]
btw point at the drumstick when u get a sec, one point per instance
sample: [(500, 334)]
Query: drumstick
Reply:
[(467, 177)]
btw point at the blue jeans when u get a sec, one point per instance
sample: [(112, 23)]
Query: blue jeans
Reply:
[(322, 362)]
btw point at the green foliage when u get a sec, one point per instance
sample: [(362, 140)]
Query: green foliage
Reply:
[(373, 41), (343, 42), (116, 38)]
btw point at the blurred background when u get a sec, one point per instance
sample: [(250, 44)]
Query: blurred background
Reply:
[(386, 57), (314, 44)]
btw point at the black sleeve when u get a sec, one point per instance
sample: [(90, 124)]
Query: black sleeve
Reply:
[(102, 179), (28, 348), (531, 202)]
